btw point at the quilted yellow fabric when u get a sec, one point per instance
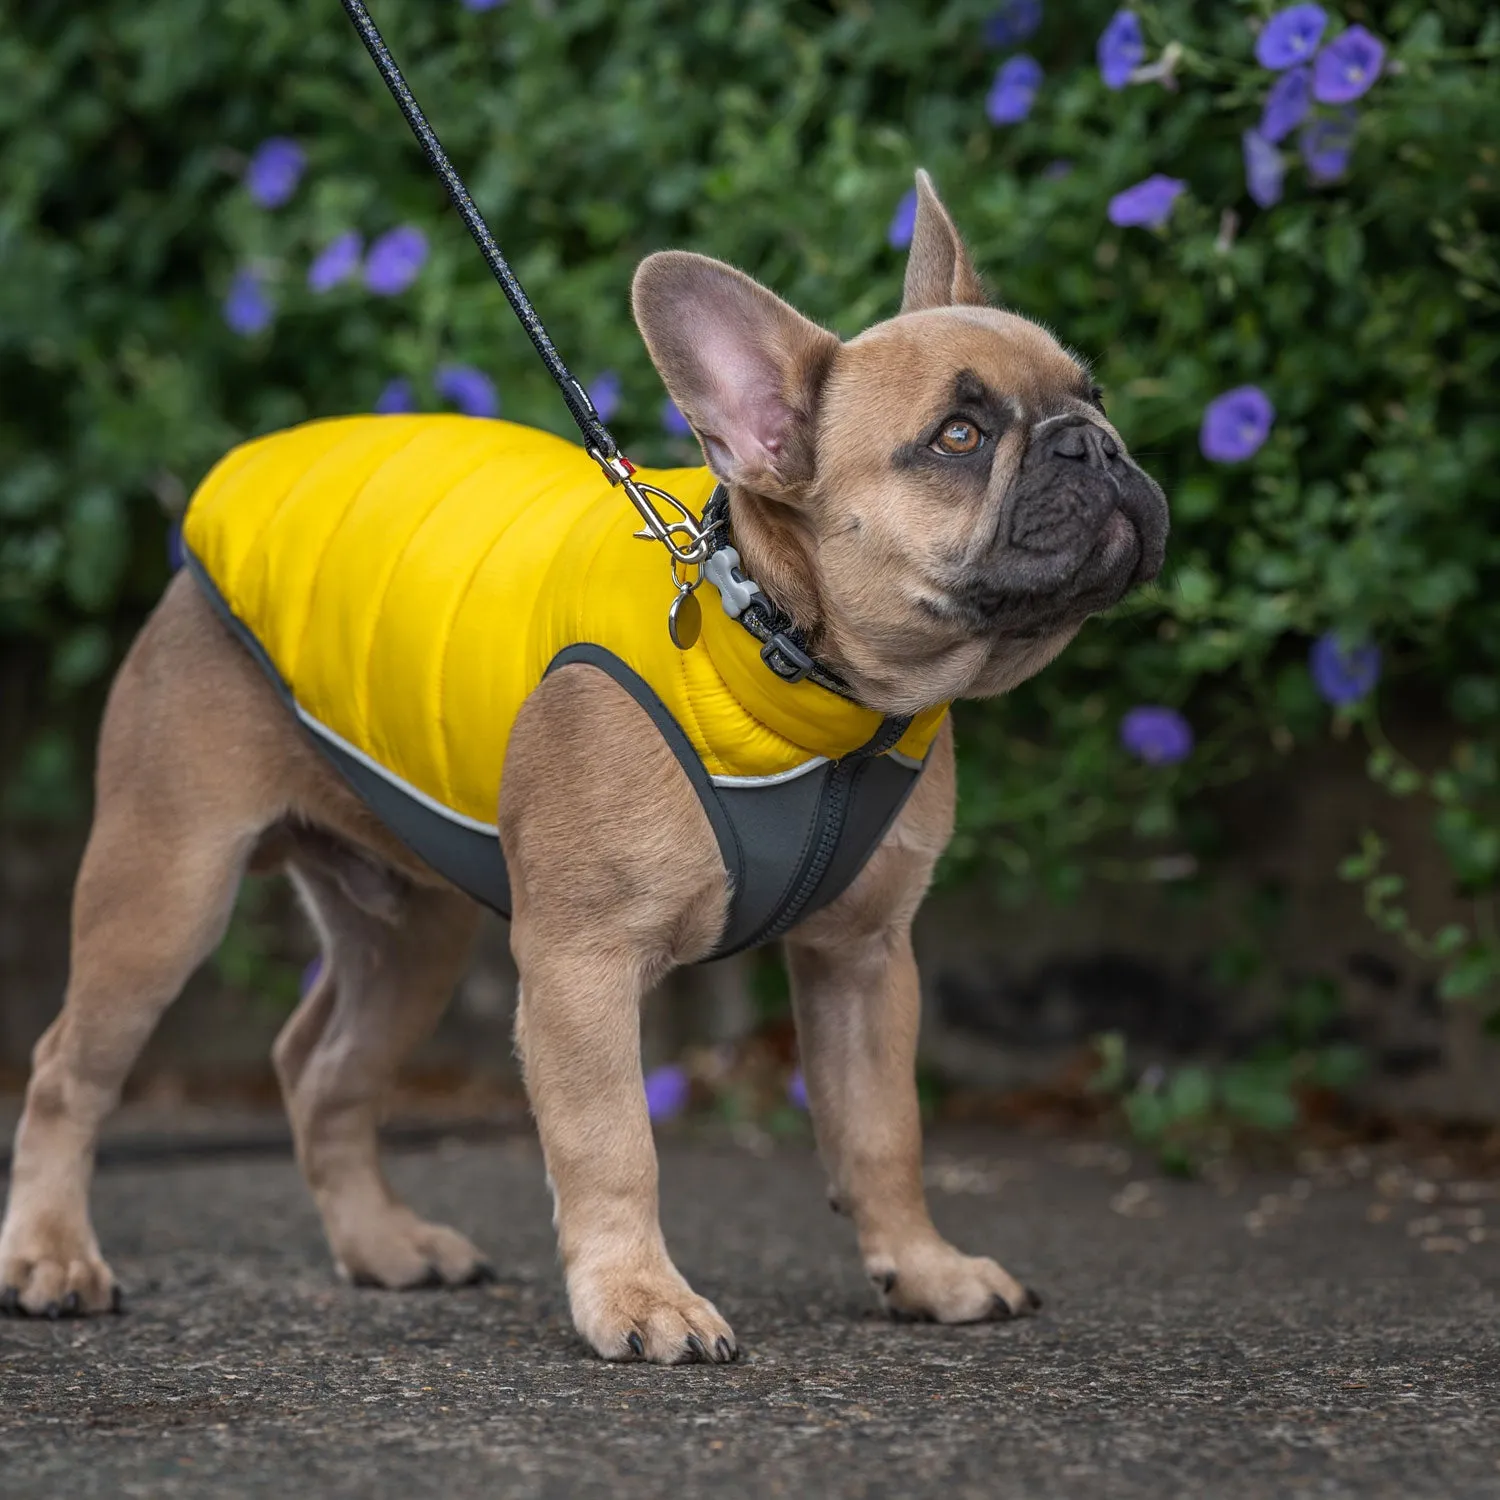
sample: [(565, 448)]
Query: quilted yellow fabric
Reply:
[(412, 578)]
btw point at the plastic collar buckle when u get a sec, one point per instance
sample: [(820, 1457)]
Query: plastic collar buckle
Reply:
[(786, 659)]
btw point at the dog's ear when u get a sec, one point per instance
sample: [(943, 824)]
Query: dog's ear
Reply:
[(939, 272), (745, 369)]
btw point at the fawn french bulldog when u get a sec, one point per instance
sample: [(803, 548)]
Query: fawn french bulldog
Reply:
[(421, 664)]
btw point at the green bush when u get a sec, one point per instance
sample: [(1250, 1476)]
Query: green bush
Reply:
[(781, 137)]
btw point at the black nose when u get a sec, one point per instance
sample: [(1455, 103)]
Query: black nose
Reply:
[(1086, 444)]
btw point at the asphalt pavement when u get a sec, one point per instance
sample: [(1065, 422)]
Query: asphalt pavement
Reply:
[(1328, 1330)]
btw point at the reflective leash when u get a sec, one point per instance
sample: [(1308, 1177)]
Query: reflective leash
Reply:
[(597, 438), (694, 550)]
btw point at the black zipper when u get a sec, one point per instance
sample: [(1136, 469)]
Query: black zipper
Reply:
[(833, 813)]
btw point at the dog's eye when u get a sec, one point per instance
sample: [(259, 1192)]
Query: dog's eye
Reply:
[(958, 436), (1096, 395)]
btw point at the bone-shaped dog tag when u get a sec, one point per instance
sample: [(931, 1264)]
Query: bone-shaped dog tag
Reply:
[(685, 620)]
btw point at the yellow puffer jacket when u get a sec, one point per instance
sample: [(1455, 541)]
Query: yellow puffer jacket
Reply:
[(412, 578)]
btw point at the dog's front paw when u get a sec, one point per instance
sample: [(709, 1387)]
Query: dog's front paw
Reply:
[(56, 1275), (651, 1313), (935, 1282)]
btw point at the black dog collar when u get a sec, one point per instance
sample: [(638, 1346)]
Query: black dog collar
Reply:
[(783, 645)]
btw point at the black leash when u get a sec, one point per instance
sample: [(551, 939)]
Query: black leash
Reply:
[(693, 543), (597, 438), (684, 537)]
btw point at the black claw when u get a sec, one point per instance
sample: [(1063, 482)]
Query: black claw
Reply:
[(637, 1345), (10, 1299), (71, 1304), (1000, 1309), (52, 1310), (725, 1351), (433, 1278), (696, 1349), (834, 1204), (483, 1274), (885, 1280), (116, 1300), (1033, 1300)]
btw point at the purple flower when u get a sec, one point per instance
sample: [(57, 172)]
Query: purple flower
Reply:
[(311, 974), (604, 392), (667, 1091), (1347, 66), (176, 555), (1236, 424), (796, 1090), (1055, 171), (394, 260), (273, 172), (482, 4), (470, 390), (904, 221), (1012, 23), (247, 309), (1291, 36), (1121, 49), (1343, 674), (337, 261), (1014, 90), (673, 421), (1159, 736), (396, 397), (1287, 104), (1148, 203), (1327, 143), (1263, 169)]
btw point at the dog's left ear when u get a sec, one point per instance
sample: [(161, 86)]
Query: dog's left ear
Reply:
[(744, 368), (939, 272)]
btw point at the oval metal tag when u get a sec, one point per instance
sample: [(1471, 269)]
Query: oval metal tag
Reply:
[(684, 621)]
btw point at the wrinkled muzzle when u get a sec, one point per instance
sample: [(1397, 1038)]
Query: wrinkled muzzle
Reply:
[(1081, 527)]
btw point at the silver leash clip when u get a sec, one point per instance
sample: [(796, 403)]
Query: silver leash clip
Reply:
[(687, 541)]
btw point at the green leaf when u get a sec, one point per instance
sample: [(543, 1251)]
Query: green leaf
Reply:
[(1471, 975), (81, 656), (1109, 1047), (1148, 1116), (1195, 499), (1475, 700), (1343, 251), (1195, 587), (45, 788), (1450, 939), (1190, 1094), (1311, 1008), (1404, 781), (1339, 1066), (1260, 1095), (98, 541)]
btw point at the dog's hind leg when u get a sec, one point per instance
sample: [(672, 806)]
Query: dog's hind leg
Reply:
[(183, 793), (392, 954)]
